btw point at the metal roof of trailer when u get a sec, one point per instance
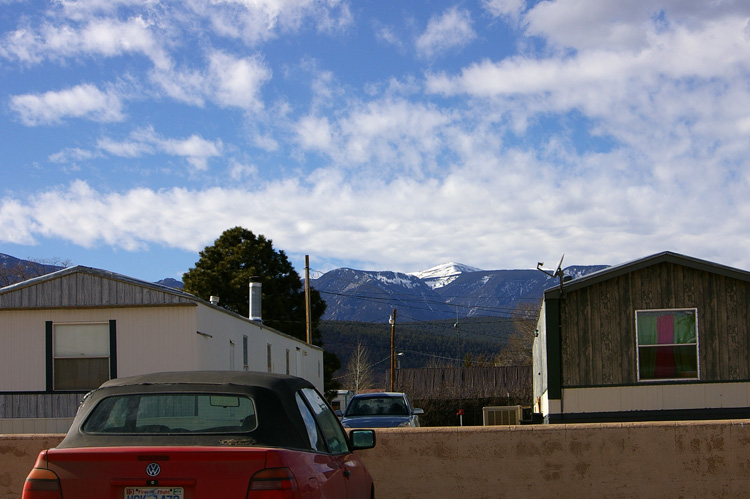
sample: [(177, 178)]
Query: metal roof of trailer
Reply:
[(641, 263), (106, 274)]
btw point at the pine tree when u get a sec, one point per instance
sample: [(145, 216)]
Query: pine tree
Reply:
[(226, 268)]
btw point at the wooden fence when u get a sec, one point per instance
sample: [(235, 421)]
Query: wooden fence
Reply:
[(513, 382)]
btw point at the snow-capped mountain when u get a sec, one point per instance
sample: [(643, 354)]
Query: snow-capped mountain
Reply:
[(444, 292), (371, 296), (442, 275)]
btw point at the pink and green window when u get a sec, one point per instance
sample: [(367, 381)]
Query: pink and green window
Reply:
[(667, 344)]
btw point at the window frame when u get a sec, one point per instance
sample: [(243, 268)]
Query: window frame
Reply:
[(328, 424), (245, 354), (695, 345), (52, 357)]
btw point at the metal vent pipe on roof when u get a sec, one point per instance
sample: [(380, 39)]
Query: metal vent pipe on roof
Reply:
[(255, 301)]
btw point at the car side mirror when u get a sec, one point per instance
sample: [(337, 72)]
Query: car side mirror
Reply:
[(362, 439), (417, 412), (338, 413)]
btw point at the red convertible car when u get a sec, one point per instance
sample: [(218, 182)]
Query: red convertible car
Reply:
[(207, 435)]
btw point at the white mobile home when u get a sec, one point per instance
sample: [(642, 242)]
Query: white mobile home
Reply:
[(65, 333)]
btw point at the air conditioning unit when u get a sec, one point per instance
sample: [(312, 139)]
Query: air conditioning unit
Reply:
[(502, 415)]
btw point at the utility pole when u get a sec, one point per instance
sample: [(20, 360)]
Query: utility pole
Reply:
[(308, 312), (392, 320)]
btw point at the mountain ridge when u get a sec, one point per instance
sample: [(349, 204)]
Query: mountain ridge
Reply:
[(446, 291)]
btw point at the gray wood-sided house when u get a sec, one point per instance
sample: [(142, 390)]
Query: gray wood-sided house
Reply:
[(65, 333), (663, 337)]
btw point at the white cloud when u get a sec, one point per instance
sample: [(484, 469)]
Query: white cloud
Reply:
[(606, 24), (193, 146), (83, 9), (314, 133), (236, 82), (388, 35), (240, 172), (97, 37), (184, 85), (228, 81), (124, 149), (504, 8), (72, 154), (261, 20), (494, 211), (380, 137), (682, 76), (453, 29), (195, 149), (618, 130), (82, 101), (15, 219)]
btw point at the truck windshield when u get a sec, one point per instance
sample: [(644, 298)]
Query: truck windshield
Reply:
[(195, 413)]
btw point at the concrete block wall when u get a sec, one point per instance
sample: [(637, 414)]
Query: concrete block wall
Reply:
[(706, 459)]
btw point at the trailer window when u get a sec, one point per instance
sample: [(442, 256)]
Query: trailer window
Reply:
[(667, 344), (81, 355)]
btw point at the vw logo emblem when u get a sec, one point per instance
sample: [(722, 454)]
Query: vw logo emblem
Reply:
[(153, 469)]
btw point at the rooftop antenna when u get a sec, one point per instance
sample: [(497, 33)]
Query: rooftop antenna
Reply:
[(558, 272)]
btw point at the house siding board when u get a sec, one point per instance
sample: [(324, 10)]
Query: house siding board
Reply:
[(625, 320), (711, 334), (67, 288), (733, 345), (723, 328), (578, 345), (743, 336), (569, 340), (611, 362), (598, 335), (106, 296), (553, 330), (586, 371)]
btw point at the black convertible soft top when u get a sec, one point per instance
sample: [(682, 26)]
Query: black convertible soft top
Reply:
[(279, 420), (280, 382)]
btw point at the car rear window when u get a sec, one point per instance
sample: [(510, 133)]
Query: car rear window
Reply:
[(195, 413), (377, 406)]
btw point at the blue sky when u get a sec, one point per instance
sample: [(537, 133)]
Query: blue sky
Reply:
[(375, 134)]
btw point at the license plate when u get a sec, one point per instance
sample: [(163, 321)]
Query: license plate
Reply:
[(154, 493)]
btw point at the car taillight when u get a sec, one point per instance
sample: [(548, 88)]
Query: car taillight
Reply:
[(273, 483), (42, 484)]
